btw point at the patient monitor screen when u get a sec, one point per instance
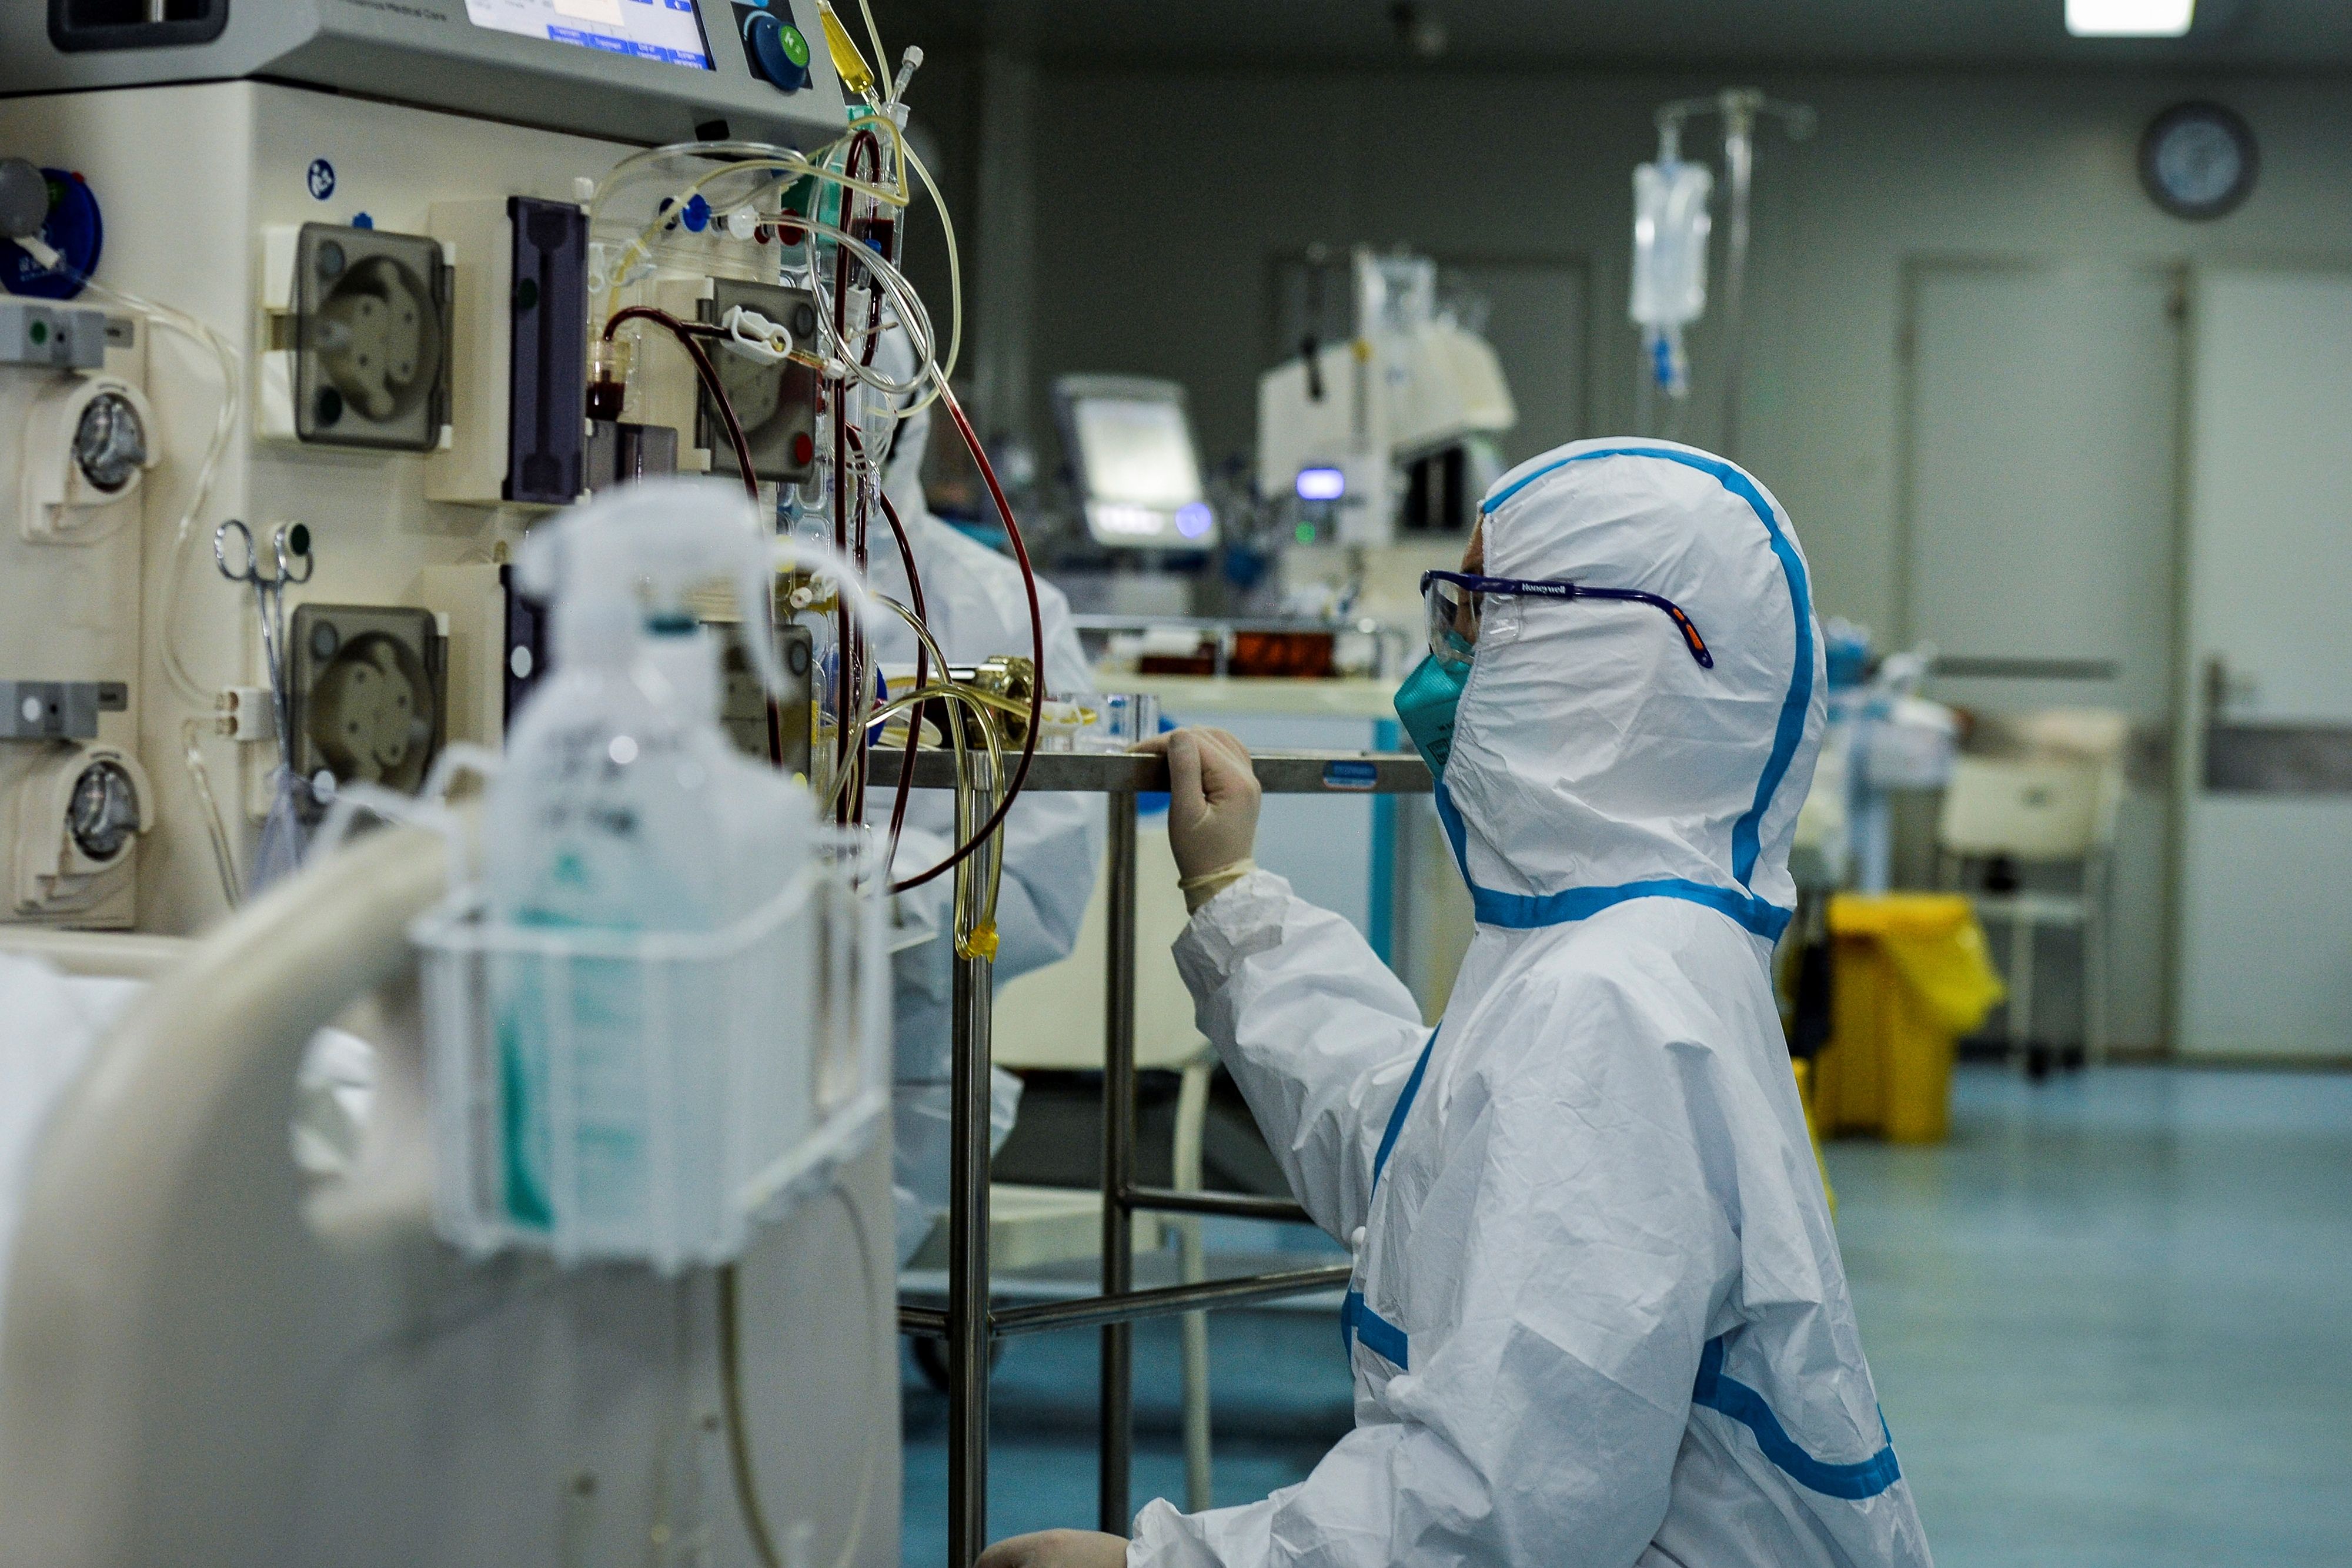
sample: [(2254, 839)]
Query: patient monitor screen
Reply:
[(649, 29)]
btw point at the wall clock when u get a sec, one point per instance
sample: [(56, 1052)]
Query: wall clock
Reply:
[(2198, 160)]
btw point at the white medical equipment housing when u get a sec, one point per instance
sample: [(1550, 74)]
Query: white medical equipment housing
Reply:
[(651, 79), (1337, 430)]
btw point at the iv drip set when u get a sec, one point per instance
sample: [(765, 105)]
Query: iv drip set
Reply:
[(835, 219), (1672, 226)]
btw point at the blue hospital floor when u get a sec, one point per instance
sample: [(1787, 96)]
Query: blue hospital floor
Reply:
[(2108, 1319)]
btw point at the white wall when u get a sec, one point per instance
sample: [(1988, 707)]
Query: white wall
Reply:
[(1160, 195)]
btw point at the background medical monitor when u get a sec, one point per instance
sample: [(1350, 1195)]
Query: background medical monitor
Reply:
[(1137, 471)]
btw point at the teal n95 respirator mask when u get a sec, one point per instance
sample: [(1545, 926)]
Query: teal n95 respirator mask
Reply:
[(1425, 704)]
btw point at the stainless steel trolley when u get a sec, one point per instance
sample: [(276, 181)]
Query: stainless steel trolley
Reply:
[(968, 1324)]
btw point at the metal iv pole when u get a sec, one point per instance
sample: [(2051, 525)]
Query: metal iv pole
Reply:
[(1739, 107)]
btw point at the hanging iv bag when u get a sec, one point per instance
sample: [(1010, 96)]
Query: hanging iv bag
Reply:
[(1670, 232)]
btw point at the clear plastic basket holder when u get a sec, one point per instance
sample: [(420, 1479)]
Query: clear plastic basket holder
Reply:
[(650, 1097)]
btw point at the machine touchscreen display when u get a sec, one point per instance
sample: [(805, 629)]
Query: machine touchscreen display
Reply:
[(649, 29)]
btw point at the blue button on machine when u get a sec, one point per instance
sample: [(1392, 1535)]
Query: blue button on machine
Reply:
[(778, 52)]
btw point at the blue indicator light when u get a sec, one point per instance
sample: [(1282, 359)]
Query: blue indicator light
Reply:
[(1322, 483)]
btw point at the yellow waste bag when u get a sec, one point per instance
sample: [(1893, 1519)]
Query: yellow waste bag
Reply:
[(1936, 945), (1909, 977)]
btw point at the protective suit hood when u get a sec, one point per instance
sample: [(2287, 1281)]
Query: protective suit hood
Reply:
[(1594, 760)]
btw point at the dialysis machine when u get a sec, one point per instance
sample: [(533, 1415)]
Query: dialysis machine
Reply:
[(308, 304), (1377, 447), (366, 231)]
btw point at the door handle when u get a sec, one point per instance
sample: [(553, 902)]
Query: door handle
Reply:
[(2225, 691)]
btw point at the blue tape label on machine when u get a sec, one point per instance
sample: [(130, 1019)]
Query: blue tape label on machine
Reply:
[(1344, 774)]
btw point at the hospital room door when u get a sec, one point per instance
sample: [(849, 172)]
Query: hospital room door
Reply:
[(2264, 772)]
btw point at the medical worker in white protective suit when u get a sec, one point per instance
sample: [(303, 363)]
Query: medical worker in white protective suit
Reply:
[(1598, 1317), (977, 610)]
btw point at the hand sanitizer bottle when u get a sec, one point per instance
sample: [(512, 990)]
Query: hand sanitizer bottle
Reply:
[(623, 810)]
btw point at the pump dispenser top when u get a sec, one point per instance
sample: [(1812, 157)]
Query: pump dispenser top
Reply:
[(620, 804), (622, 567)]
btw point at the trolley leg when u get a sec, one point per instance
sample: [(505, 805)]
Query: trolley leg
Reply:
[(1192, 1110), (968, 1331), (1119, 1165)]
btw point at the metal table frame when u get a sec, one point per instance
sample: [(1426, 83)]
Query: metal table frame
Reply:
[(968, 1324)]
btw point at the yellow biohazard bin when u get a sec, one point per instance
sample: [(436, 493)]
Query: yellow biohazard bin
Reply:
[(1908, 977)]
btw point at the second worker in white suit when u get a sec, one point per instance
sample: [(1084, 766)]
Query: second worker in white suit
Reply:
[(1599, 1319), (976, 610)]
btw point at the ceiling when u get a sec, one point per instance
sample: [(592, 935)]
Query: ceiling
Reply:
[(2264, 34)]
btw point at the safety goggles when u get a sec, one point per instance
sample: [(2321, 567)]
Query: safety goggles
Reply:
[(1451, 601)]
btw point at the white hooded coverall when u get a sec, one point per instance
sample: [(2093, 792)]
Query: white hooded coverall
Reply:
[(1598, 1316), (1052, 842)]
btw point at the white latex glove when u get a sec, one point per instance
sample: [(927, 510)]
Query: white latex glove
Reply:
[(1212, 804), (1058, 1549)]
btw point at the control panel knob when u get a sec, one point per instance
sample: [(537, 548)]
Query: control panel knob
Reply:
[(778, 51)]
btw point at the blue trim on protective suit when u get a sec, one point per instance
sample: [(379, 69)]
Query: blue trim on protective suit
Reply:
[(1527, 912), (1358, 1321), (1403, 1109), (1729, 1397), (1381, 1337), (1746, 834)]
